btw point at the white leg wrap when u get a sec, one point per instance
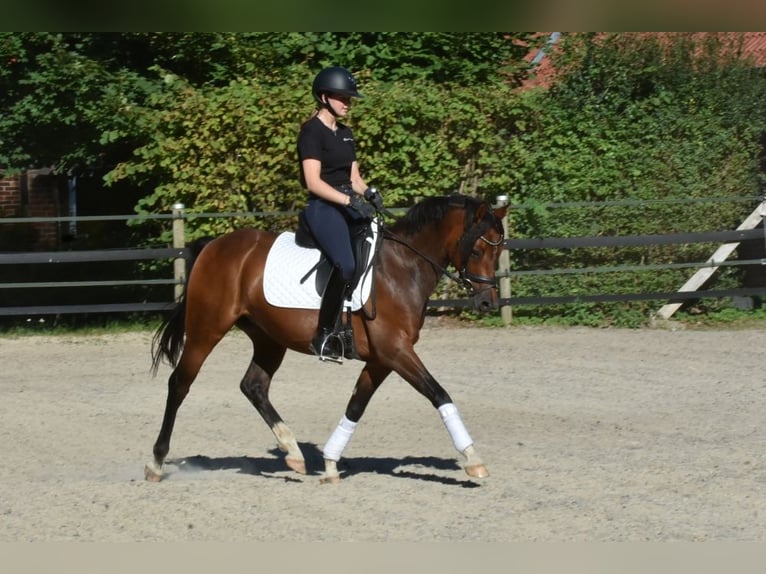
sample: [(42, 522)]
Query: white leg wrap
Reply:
[(338, 441), (460, 437)]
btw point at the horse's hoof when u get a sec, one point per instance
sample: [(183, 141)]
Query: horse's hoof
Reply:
[(296, 464), (477, 471), (330, 479), (152, 474)]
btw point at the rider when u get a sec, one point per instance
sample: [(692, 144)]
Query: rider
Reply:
[(330, 172)]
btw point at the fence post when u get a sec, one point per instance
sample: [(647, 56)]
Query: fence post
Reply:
[(504, 267), (179, 242)]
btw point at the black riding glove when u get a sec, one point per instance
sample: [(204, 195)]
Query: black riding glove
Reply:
[(371, 194), (356, 204)]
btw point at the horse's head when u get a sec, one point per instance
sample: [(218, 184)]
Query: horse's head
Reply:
[(460, 231), (478, 251)]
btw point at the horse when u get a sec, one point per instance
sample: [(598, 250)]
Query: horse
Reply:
[(225, 288)]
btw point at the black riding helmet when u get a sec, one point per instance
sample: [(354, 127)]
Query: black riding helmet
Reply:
[(334, 80)]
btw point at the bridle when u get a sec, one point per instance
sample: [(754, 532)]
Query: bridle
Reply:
[(468, 279), (470, 236)]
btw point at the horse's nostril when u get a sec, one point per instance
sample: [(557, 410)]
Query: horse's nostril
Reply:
[(484, 306)]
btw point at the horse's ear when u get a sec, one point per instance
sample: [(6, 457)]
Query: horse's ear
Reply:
[(480, 212)]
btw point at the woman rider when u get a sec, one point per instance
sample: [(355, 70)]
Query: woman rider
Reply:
[(330, 172)]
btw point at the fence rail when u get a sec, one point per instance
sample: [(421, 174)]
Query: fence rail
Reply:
[(179, 254), (634, 240), (90, 256)]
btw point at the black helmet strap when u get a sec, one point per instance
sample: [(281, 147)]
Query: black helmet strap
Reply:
[(325, 104)]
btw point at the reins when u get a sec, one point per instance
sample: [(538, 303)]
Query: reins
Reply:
[(463, 277), (388, 234)]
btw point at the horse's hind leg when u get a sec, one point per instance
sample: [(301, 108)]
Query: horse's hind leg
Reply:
[(179, 382), (267, 357)]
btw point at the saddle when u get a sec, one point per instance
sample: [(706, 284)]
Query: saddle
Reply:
[(360, 232)]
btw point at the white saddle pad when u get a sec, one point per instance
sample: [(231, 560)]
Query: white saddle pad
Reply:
[(287, 263)]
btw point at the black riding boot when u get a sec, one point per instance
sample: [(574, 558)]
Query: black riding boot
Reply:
[(327, 343)]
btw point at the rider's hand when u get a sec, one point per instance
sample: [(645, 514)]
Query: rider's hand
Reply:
[(364, 209), (371, 194)]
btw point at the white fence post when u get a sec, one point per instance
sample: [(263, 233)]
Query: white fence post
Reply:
[(179, 242), (721, 254), (504, 267)]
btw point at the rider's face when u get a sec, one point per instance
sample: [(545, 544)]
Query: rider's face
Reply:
[(339, 103)]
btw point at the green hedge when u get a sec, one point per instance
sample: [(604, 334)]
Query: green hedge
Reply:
[(629, 117)]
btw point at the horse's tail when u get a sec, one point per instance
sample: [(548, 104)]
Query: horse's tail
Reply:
[(168, 340)]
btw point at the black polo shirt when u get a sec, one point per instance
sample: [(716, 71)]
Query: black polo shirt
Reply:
[(334, 149)]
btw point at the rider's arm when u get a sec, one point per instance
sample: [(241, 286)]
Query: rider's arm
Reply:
[(312, 169), (357, 181)]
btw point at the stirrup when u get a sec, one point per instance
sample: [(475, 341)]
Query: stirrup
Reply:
[(326, 351)]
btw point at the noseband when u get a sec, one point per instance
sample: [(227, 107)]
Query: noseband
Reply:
[(465, 277), (468, 279), (472, 234)]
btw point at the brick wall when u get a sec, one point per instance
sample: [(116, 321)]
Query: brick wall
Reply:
[(32, 194), (10, 196), (43, 191)]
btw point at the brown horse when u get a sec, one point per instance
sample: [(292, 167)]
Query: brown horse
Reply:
[(225, 287)]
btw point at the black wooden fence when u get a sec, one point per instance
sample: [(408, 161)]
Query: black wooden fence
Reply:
[(180, 253)]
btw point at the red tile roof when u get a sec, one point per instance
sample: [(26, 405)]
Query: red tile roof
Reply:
[(753, 46)]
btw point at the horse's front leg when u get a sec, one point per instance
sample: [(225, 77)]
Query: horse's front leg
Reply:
[(412, 370), (368, 382), (463, 442)]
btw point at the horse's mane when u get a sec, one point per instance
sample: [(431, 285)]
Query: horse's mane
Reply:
[(430, 211)]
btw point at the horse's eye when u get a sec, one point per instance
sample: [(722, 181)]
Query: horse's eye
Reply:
[(475, 253)]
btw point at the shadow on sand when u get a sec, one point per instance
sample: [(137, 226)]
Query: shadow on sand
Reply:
[(411, 467)]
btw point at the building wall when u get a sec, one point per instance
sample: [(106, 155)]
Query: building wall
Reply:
[(34, 193), (10, 196)]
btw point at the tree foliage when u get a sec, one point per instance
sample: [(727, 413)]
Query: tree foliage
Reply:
[(635, 117), (210, 120)]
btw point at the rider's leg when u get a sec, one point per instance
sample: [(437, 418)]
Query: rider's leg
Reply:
[(329, 226), (327, 343)]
